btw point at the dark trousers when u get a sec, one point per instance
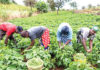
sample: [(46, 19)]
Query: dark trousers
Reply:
[(79, 37), (3, 33)]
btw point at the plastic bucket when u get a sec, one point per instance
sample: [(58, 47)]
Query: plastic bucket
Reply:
[(35, 64)]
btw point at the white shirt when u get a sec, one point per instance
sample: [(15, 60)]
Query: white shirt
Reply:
[(85, 33)]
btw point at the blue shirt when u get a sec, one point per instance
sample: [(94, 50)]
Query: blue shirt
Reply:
[(61, 37)]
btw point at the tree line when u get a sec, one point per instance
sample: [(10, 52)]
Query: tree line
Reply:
[(51, 4)]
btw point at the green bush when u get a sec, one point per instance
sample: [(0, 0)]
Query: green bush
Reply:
[(5, 1), (79, 66), (64, 56), (79, 63), (10, 59), (39, 52), (42, 6)]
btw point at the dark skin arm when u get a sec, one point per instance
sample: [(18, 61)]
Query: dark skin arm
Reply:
[(6, 40), (12, 37), (84, 44), (59, 42), (32, 43), (66, 43), (90, 45)]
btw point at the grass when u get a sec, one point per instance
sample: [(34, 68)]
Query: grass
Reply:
[(9, 10)]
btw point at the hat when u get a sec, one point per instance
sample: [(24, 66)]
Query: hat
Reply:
[(19, 28), (95, 28)]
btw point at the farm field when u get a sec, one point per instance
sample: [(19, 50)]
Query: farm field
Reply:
[(69, 58)]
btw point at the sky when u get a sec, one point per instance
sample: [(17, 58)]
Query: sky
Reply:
[(20, 2), (80, 3), (85, 3)]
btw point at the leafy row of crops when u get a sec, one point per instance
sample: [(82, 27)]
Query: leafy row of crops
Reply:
[(55, 57)]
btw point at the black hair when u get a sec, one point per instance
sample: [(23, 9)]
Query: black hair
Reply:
[(65, 30), (23, 33), (19, 28)]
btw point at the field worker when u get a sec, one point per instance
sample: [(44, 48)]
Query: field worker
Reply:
[(9, 29), (64, 35), (84, 33), (37, 32)]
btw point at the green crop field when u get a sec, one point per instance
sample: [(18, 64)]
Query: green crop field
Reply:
[(11, 59)]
